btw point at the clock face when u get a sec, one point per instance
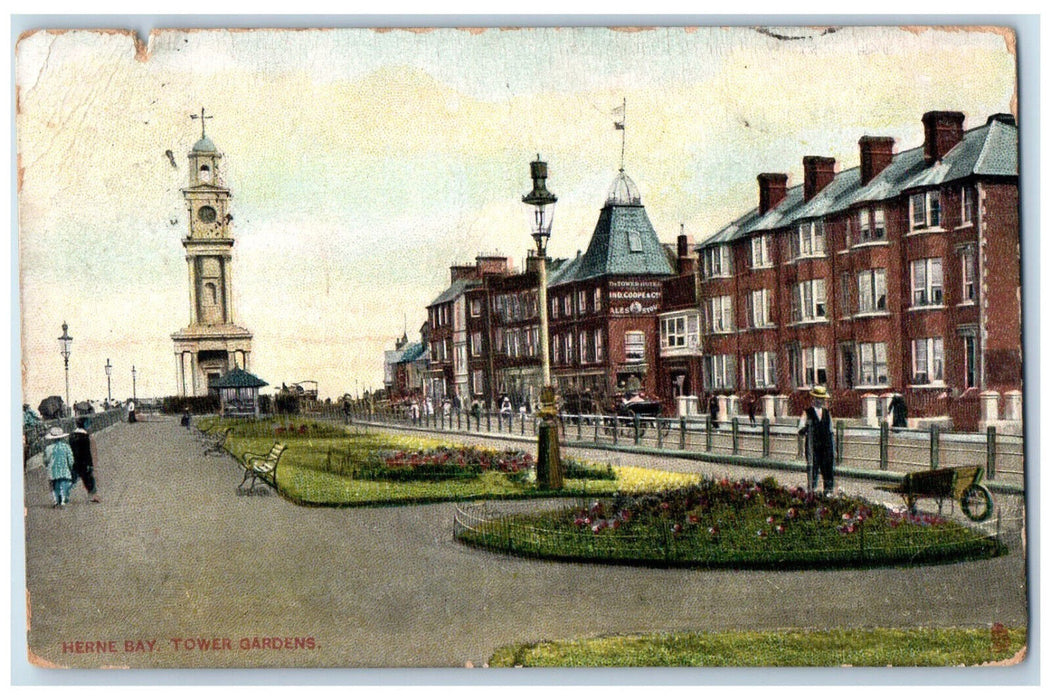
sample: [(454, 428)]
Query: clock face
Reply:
[(206, 214)]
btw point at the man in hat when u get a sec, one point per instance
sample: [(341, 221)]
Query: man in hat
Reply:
[(816, 425), (82, 444), (58, 459)]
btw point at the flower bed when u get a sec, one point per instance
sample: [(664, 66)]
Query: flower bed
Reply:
[(723, 523), (450, 462), (336, 468)]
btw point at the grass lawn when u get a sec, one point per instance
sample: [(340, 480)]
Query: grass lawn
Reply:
[(789, 648), (309, 471)]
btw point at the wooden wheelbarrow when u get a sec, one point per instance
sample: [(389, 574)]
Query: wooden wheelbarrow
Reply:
[(961, 484)]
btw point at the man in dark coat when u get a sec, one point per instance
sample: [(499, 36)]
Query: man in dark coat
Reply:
[(713, 411), (816, 425), (84, 458)]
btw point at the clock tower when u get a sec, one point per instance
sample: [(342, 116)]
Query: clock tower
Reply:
[(212, 344)]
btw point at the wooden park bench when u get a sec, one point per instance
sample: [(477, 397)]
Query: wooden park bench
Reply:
[(961, 484), (215, 443), (262, 467)]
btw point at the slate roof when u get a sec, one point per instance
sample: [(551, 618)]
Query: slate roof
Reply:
[(988, 151), (454, 290), (623, 243), (237, 378), (410, 353)]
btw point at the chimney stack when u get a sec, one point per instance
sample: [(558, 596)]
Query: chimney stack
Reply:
[(818, 171), (772, 189), (877, 152), (461, 272), (685, 262), (941, 131)]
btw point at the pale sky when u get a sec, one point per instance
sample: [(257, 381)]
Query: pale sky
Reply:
[(363, 163)]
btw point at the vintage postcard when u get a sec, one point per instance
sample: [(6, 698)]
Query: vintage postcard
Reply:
[(476, 347)]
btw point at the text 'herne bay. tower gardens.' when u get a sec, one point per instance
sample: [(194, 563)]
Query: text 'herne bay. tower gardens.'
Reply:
[(212, 344)]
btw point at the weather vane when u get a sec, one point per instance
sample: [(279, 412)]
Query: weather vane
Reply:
[(202, 118), (620, 118)]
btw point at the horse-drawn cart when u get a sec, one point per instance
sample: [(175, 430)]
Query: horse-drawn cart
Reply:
[(961, 484)]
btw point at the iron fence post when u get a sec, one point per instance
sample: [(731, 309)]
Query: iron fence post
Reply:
[(766, 437), (682, 432), (990, 451), (884, 435), (839, 441), (635, 421), (934, 446), (708, 433), (734, 435)]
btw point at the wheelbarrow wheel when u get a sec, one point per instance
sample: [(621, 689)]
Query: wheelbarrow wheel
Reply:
[(977, 503)]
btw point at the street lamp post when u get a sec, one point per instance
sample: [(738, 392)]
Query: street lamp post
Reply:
[(133, 394), (109, 386), (548, 459), (65, 342)]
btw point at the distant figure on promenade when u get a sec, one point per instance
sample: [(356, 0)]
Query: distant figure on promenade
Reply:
[(457, 404), (85, 458), (816, 425), (713, 411), (505, 407), (752, 403), (414, 411), (898, 412), (186, 418), (58, 460), (131, 411), (429, 406)]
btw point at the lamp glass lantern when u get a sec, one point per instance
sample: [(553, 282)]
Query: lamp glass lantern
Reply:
[(65, 345), (109, 386), (543, 203)]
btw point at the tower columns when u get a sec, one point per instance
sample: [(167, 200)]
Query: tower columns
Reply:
[(190, 264)]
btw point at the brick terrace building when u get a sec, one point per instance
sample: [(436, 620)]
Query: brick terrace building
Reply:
[(679, 332), (901, 274), (604, 303), (451, 330), (514, 363)]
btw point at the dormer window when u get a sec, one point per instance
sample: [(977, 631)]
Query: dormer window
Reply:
[(716, 261), (968, 204), (761, 251), (635, 241), (925, 210), (809, 240)]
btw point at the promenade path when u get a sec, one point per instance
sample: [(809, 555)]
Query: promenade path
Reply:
[(174, 554)]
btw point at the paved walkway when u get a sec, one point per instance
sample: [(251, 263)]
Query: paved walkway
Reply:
[(173, 554)]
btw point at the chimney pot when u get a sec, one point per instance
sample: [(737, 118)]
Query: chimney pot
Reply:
[(941, 132), (877, 152), (772, 190), (1003, 118), (818, 171)]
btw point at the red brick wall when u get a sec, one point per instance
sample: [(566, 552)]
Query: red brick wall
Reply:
[(1000, 293)]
